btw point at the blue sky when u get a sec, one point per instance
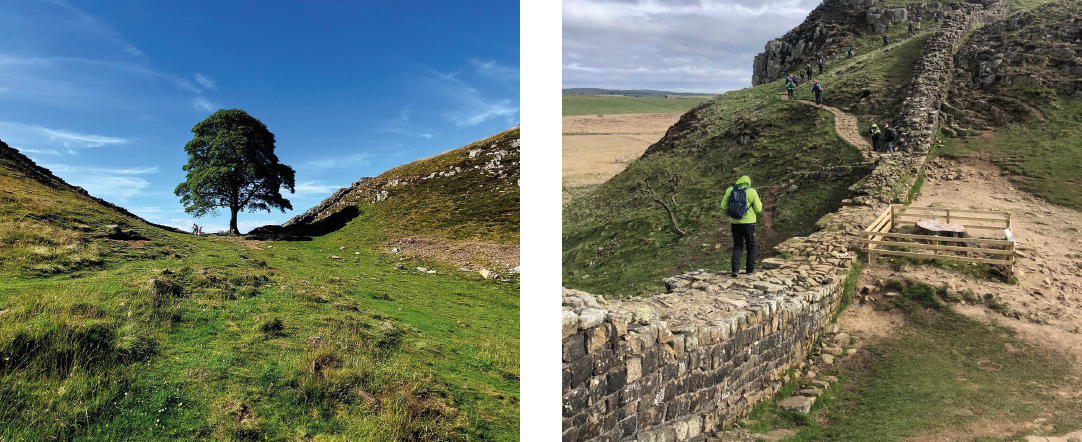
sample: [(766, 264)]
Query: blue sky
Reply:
[(105, 93)]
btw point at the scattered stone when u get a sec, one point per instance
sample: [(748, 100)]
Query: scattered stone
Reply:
[(335, 257), (486, 274), (842, 339), (828, 359), (800, 404), (811, 392)]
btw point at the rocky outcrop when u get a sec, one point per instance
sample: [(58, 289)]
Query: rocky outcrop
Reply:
[(1039, 50), (826, 27), (921, 107)]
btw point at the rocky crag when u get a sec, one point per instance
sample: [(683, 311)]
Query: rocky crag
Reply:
[(830, 27), (679, 366)]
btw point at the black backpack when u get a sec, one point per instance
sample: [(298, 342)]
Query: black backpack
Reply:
[(738, 202)]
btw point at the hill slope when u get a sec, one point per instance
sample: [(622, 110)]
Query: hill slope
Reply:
[(465, 198), (173, 337)]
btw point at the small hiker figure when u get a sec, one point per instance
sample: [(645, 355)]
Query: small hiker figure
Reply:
[(885, 40), (890, 137), (195, 229), (935, 15), (875, 137), (801, 76), (809, 71), (742, 203), (818, 89), (918, 22), (848, 52), (910, 31), (789, 87), (820, 65)]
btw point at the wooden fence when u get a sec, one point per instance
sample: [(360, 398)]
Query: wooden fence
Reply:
[(999, 252)]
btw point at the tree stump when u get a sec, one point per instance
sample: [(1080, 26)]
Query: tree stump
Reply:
[(936, 228)]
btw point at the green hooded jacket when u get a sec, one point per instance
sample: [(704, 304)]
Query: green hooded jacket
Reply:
[(755, 205)]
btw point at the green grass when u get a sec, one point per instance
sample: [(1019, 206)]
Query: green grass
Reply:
[(1043, 156), (611, 105), (882, 75), (615, 245), (940, 371), (241, 343)]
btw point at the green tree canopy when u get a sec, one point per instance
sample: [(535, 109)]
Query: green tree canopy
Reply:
[(231, 163)]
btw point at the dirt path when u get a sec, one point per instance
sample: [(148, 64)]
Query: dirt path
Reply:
[(1046, 303), (846, 126)]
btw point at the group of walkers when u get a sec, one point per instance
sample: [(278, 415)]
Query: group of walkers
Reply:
[(804, 76), (888, 134), (742, 203), (197, 230)]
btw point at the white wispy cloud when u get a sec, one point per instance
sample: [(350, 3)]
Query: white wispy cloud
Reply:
[(112, 184), (360, 159), (470, 108), (34, 138), (310, 189), (495, 70), (201, 103), (204, 81)]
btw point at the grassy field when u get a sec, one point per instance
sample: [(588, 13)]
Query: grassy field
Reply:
[(175, 337), (940, 374), (608, 105)]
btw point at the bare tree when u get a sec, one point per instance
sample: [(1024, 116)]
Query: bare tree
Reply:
[(659, 178)]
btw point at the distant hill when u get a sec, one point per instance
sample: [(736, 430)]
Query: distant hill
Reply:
[(50, 226), (631, 92), (468, 193)]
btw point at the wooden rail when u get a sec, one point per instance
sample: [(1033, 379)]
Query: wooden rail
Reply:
[(999, 252)]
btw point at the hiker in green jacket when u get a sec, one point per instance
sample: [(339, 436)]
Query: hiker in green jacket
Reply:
[(789, 86), (742, 203)]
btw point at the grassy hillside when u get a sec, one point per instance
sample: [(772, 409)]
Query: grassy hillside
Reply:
[(1023, 111), (615, 243), (609, 105), (173, 337)]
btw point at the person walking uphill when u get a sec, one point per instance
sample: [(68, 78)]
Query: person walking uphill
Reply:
[(820, 65), (890, 137), (818, 89), (742, 203), (875, 137), (789, 86)]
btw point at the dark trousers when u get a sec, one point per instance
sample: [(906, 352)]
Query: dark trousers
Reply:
[(743, 233), (790, 94), (875, 143), (818, 98)]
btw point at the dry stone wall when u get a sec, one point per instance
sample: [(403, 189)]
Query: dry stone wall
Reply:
[(678, 366)]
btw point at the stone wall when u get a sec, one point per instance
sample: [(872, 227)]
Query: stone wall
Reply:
[(920, 110), (678, 366)]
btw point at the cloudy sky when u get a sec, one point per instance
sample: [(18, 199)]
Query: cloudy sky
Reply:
[(673, 45), (105, 94)]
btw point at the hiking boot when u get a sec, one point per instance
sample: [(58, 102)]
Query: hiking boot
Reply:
[(734, 274), (750, 272)]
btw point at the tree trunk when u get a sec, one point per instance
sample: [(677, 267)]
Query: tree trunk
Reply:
[(233, 230), (672, 217)]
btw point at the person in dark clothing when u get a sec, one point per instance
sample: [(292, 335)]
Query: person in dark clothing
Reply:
[(818, 92), (875, 137), (886, 40), (743, 227), (910, 31), (790, 86), (890, 137), (809, 71), (848, 52), (820, 66), (935, 15)]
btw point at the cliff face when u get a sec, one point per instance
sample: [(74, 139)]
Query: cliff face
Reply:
[(827, 30)]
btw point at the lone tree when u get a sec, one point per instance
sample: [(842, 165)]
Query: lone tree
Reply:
[(231, 163), (658, 179)]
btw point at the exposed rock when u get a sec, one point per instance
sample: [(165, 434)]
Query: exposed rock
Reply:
[(799, 404)]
